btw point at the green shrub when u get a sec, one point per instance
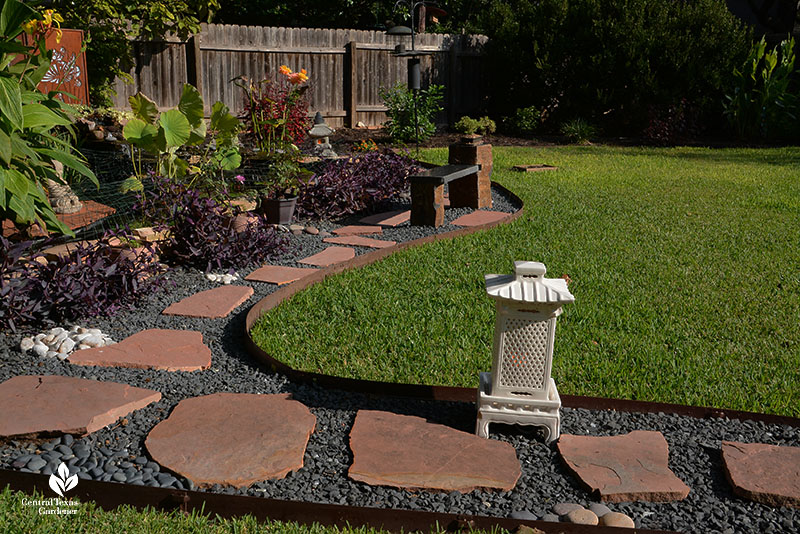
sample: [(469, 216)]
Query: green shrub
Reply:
[(762, 103), (610, 61), (578, 131), (400, 103), (468, 125), (524, 121)]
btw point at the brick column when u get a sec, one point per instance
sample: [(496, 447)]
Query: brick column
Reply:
[(472, 191), (427, 204)]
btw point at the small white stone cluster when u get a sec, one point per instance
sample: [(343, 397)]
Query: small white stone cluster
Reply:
[(225, 278), (58, 342)]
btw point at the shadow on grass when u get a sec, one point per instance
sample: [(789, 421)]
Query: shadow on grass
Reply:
[(774, 156)]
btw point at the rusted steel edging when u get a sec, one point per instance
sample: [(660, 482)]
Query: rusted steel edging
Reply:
[(109, 495), (451, 393)]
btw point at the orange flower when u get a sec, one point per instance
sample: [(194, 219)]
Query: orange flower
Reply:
[(297, 78), (285, 70)]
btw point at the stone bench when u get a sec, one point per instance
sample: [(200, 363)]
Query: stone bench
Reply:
[(427, 192), (468, 179)]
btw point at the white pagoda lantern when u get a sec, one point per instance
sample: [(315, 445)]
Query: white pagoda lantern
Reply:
[(520, 390)]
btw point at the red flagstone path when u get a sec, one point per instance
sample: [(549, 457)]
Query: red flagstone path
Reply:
[(233, 439), (36, 405), (168, 350), (479, 217), (359, 241), (763, 473), (212, 303), (388, 218), (358, 230), (630, 467), (408, 452), (329, 256), (278, 274)]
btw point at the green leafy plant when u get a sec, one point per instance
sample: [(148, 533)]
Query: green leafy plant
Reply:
[(763, 103), (165, 134), (524, 121), (578, 131), (399, 102), (29, 120), (468, 125), (284, 175)]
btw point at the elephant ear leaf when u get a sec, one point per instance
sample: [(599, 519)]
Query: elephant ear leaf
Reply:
[(143, 108), (198, 134), (191, 105), (139, 133), (221, 119), (177, 129), (230, 159)]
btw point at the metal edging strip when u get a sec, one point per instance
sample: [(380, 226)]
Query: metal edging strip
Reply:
[(109, 495)]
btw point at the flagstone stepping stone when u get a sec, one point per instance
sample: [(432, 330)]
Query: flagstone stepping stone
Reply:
[(212, 303), (168, 350), (233, 439), (405, 451), (630, 467), (763, 473), (388, 218), (278, 274), (64, 250), (41, 405), (359, 241), (329, 256), (358, 230), (479, 217)]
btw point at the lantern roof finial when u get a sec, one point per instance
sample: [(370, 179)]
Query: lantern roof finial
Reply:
[(528, 285)]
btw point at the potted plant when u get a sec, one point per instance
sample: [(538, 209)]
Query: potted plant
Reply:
[(278, 189), (276, 118)]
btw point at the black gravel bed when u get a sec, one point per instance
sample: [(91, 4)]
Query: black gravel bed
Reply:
[(117, 453)]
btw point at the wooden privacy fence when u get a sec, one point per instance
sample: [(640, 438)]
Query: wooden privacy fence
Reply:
[(345, 68)]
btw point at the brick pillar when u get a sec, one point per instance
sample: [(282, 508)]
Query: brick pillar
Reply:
[(472, 191), (427, 204)]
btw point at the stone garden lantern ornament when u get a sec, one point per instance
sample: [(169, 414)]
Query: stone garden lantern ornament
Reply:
[(519, 390), (320, 133)]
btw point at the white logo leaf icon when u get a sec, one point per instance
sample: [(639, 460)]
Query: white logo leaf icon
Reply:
[(56, 485), (62, 482), (63, 471), (71, 482)]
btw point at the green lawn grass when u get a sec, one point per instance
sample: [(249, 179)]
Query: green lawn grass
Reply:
[(685, 266), (17, 516)]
